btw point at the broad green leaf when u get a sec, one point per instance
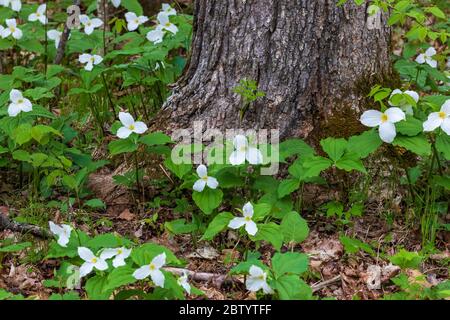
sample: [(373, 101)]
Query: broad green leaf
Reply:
[(289, 263), (364, 144), (294, 228), (180, 226), (291, 287), (287, 186), (122, 146), (119, 277), (96, 288), (411, 127), (349, 162), (335, 148), (16, 247), (155, 138), (418, 144), (353, 245), (271, 233), (443, 145), (208, 199), (315, 165), (219, 223)]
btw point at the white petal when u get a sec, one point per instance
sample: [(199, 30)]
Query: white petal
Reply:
[(84, 58), (430, 52), (247, 210), (267, 289), (395, 114), (126, 119), (432, 63), (199, 185), (96, 22), (236, 223), (85, 254), (251, 227), (445, 126), (101, 265), (157, 278), (97, 59), (108, 253), (53, 34), (155, 36), (86, 268), (142, 19), (237, 157), (255, 271), (387, 132), (159, 260), (118, 262), (142, 273), (16, 5), (17, 34), (163, 18), (420, 58), (130, 16), (88, 29), (13, 109), (63, 240), (89, 66), (15, 95), (84, 19), (254, 284), (26, 105), (171, 27), (6, 32), (202, 171), (41, 9), (433, 122), (116, 3), (446, 107), (240, 141), (413, 95), (124, 132), (32, 17), (55, 229), (371, 118), (140, 127), (212, 182), (131, 26), (187, 287), (254, 156)]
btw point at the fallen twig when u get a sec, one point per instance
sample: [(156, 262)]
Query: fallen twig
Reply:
[(64, 37), (323, 284), (8, 224)]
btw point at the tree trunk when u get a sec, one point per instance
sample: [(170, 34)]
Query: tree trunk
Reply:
[(311, 58)]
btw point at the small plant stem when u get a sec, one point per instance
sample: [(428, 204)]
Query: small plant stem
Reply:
[(436, 155), (136, 165), (45, 45), (105, 22), (108, 93)]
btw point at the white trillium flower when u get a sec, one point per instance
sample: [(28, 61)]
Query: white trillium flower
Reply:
[(404, 105), (16, 5), (204, 180), (130, 126), (62, 232), (134, 21), (257, 280), (164, 22), (39, 15), (439, 119), (18, 103), (250, 225), (168, 10), (183, 282), (116, 3), (156, 36), (427, 57), (119, 254), (385, 121), (153, 270), (54, 35), (11, 29), (90, 24), (243, 151), (90, 60), (90, 261)]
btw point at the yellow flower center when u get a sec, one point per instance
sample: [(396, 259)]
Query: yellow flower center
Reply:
[(89, 23), (168, 24), (94, 260), (152, 267), (92, 59), (132, 127), (205, 178), (261, 277), (442, 115), (20, 101), (136, 21), (243, 148), (119, 251), (12, 29), (384, 118), (248, 219), (38, 14)]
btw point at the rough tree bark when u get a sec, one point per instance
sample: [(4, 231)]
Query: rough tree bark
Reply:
[(307, 56)]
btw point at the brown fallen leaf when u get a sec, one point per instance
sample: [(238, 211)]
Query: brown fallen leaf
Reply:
[(127, 215)]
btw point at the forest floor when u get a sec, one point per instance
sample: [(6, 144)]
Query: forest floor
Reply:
[(333, 272)]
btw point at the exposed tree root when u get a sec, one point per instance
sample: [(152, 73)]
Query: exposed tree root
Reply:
[(8, 224)]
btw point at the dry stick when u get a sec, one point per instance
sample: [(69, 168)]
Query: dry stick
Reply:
[(8, 224), (321, 285), (64, 38)]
